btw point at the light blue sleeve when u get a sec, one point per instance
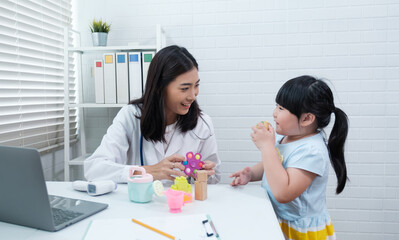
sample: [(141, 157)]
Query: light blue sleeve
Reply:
[(307, 157)]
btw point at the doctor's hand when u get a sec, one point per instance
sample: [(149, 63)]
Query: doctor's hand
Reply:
[(209, 167), (167, 168)]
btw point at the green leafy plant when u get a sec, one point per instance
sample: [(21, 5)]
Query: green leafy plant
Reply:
[(100, 26)]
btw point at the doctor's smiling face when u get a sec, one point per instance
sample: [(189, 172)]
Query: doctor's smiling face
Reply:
[(180, 94)]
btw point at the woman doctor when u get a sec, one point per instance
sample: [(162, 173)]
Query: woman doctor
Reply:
[(158, 129)]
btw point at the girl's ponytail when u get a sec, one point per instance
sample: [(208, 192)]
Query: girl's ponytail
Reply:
[(336, 143)]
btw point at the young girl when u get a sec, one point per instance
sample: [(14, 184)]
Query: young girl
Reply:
[(297, 186)]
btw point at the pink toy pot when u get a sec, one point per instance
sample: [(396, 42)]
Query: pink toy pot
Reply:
[(175, 200)]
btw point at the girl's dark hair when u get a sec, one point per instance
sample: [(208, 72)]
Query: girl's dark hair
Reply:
[(306, 94), (166, 65)]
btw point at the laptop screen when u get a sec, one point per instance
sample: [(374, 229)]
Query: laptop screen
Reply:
[(24, 199)]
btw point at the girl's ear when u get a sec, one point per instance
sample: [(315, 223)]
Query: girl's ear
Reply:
[(307, 119)]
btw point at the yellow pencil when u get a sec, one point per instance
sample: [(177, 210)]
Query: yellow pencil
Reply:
[(153, 229)]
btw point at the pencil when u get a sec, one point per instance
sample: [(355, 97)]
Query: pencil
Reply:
[(153, 229)]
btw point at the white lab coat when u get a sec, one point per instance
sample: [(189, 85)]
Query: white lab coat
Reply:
[(120, 147)]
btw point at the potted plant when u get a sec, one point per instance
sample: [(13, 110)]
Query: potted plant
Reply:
[(99, 32)]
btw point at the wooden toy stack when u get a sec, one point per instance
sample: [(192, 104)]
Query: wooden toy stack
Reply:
[(201, 185)]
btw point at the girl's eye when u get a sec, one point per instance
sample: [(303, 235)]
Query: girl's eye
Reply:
[(197, 85), (279, 107)]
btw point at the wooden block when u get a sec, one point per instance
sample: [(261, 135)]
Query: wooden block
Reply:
[(202, 176), (200, 190)]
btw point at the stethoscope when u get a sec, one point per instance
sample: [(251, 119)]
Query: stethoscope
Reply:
[(200, 138)]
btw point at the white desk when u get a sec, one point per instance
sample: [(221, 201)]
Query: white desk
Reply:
[(238, 213)]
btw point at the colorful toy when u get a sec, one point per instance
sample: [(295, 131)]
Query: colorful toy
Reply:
[(181, 184), (201, 185), (177, 199), (280, 157), (192, 164), (266, 123)]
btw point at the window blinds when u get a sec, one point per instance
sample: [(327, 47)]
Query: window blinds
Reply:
[(31, 73)]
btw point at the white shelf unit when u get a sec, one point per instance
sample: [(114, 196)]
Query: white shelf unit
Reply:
[(160, 43)]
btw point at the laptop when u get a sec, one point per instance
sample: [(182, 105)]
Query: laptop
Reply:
[(23, 194)]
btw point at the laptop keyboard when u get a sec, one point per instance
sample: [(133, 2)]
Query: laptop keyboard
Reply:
[(61, 216)]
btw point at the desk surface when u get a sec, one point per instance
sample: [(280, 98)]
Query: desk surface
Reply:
[(243, 212)]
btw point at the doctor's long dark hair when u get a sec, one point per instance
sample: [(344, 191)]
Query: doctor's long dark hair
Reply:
[(167, 64), (306, 94)]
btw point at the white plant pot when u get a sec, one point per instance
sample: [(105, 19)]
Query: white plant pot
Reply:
[(99, 38)]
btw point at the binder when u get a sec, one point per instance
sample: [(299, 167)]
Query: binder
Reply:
[(99, 81), (135, 81), (184, 227), (122, 82), (147, 58), (109, 78)]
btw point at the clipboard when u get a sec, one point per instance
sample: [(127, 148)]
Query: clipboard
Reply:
[(184, 227)]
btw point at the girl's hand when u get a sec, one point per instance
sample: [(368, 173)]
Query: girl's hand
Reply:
[(263, 137), (166, 169), (241, 177)]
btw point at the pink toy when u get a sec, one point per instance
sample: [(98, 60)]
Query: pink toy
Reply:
[(192, 164), (177, 199)]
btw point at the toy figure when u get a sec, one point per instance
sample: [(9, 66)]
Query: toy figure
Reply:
[(181, 184), (192, 164)]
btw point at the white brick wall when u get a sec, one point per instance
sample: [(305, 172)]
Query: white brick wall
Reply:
[(247, 49)]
